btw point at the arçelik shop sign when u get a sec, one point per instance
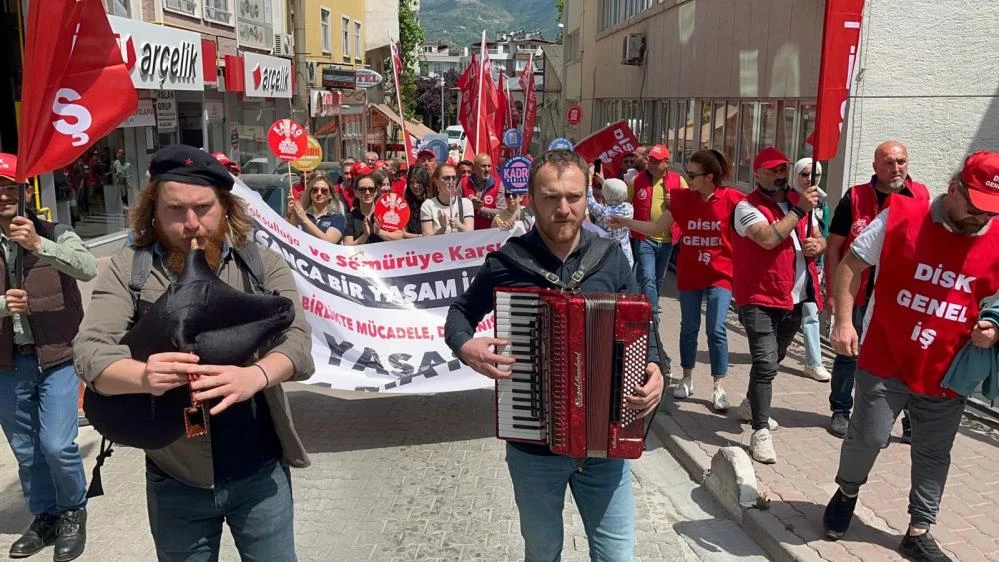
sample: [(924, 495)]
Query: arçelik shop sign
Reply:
[(266, 77), (159, 57)]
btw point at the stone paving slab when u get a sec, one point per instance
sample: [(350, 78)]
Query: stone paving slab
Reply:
[(802, 480), (402, 478)]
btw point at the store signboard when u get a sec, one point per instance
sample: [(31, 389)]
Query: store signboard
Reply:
[(166, 111), (145, 116), (160, 57), (339, 78), (266, 77)]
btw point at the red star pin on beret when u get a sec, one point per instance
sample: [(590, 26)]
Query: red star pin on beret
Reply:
[(189, 162)]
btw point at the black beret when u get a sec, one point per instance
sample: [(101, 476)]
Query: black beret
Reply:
[(187, 164)]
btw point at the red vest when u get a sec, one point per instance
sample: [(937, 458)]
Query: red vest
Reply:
[(864, 207), (926, 297), (489, 197), (705, 228), (399, 187), (766, 277), (642, 196)]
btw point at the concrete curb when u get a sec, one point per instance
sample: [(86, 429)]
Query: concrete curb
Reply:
[(762, 526)]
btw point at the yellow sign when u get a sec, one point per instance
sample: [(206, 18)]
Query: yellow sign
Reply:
[(313, 156)]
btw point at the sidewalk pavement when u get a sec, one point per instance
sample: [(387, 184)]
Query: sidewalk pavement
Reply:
[(802, 480)]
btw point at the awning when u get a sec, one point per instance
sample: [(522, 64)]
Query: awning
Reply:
[(417, 130)]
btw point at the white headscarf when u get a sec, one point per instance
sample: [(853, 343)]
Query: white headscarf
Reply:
[(800, 165)]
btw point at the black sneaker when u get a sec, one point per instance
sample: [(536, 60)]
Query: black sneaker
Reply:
[(40, 534), (922, 548), (839, 512), (839, 424)]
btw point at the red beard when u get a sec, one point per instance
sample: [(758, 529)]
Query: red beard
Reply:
[(176, 257)]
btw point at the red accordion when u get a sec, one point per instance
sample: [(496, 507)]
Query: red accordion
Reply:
[(579, 355)]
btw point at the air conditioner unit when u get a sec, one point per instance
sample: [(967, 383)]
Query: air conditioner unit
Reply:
[(633, 49), (283, 45), (313, 69)]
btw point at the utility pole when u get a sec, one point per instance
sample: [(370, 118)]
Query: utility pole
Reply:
[(300, 110), (442, 105)]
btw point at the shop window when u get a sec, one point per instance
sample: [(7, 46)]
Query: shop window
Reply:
[(718, 125), (806, 126), (786, 129), (706, 123), (325, 29), (768, 124), (662, 123), (747, 142), (731, 132)]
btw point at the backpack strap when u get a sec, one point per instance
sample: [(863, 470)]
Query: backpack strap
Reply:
[(249, 253), (516, 254), (142, 264)]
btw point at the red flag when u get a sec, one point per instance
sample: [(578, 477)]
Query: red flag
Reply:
[(476, 84), (502, 116), (396, 71), (73, 67), (840, 41), (609, 144), (530, 104)]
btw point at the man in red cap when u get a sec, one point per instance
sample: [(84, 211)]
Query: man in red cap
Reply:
[(936, 272), (38, 386), (427, 159), (774, 272), (856, 209), (649, 195)]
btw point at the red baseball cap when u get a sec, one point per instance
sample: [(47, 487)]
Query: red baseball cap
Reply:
[(222, 158), (361, 169), (428, 152), (768, 158), (379, 164), (8, 165), (659, 152), (403, 165), (981, 176)]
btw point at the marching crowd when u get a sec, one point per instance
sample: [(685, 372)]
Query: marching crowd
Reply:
[(777, 252)]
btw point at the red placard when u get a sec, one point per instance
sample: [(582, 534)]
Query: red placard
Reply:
[(840, 43), (574, 115), (392, 212), (287, 140)]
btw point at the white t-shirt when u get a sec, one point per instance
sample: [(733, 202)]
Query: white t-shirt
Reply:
[(432, 207), (746, 215)]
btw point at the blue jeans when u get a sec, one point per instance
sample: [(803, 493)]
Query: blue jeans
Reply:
[(186, 522), (844, 367), (38, 413), (690, 324), (810, 325), (601, 489), (651, 260)]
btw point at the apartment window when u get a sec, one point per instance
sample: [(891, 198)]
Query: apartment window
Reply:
[(806, 126), (707, 121), (358, 51), (345, 29), (325, 29), (747, 142), (613, 12), (218, 11), (187, 7), (572, 46)]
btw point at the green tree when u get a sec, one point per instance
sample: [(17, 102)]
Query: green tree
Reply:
[(410, 39), (560, 6)]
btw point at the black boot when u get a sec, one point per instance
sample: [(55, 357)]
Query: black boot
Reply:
[(40, 534), (72, 537)]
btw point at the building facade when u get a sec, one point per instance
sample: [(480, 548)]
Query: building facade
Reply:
[(739, 76)]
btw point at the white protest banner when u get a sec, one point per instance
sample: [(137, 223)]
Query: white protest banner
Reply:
[(377, 311)]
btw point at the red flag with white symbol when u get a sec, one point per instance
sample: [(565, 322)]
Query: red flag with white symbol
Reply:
[(73, 67), (396, 72), (840, 43)]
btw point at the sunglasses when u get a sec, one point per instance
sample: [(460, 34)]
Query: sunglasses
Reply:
[(366, 189), (323, 191), (9, 189), (449, 179), (509, 195), (694, 175)]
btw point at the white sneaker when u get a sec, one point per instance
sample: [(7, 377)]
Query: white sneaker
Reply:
[(719, 400), (817, 372), (745, 413), (685, 389), (762, 447)]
